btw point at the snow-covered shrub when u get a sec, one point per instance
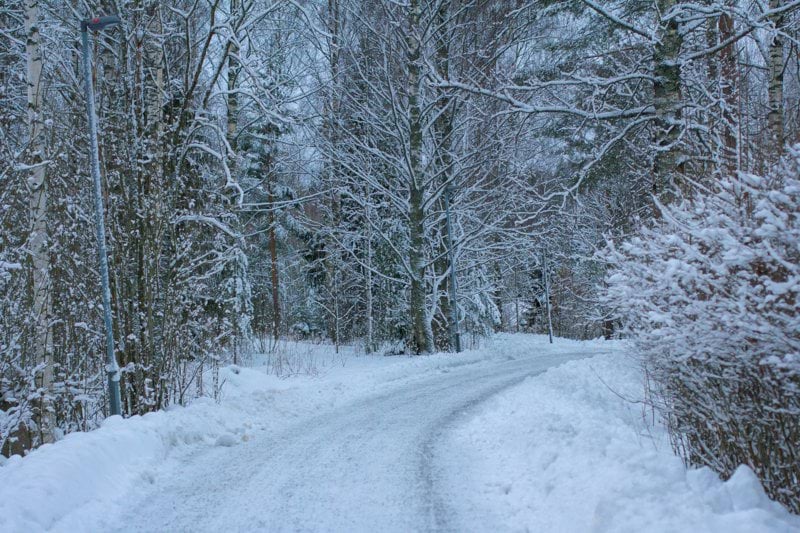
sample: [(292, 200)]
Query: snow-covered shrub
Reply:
[(709, 297)]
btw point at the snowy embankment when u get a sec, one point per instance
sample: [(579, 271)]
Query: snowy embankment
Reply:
[(571, 451), (560, 452)]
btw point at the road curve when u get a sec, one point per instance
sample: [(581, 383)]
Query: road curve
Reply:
[(365, 466)]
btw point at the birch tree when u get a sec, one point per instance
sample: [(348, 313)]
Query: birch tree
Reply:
[(38, 237), (776, 70)]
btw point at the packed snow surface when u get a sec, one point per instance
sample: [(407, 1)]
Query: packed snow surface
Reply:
[(519, 435)]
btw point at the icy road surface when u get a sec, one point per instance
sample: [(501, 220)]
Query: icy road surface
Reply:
[(368, 465)]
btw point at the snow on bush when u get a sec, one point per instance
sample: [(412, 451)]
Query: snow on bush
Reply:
[(709, 296)]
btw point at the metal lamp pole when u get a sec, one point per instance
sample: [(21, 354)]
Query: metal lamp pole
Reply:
[(112, 368)]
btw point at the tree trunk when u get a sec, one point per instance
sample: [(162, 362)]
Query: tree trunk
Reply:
[(146, 216), (421, 335), (333, 261), (443, 133), (547, 302), (775, 115), (38, 239), (233, 75), (728, 79), (723, 81), (239, 303), (370, 342), (273, 255), (667, 164)]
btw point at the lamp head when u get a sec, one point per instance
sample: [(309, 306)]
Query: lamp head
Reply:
[(100, 23)]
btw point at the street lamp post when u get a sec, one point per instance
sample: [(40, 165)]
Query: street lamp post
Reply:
[(112, 368)]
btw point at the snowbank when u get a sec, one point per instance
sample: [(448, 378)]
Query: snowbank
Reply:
[(87, 474), (565, 452)]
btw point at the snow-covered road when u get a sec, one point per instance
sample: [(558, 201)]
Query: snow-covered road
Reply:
[(383, 444), (363, 466)]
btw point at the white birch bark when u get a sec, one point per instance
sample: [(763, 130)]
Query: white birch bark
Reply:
[(775, 89), (667, 103), (38, 239)]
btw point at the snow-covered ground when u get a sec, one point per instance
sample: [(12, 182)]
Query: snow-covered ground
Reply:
[(571, 450), (517, 435)]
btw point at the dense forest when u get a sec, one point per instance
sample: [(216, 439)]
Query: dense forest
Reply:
[(408, 177)]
